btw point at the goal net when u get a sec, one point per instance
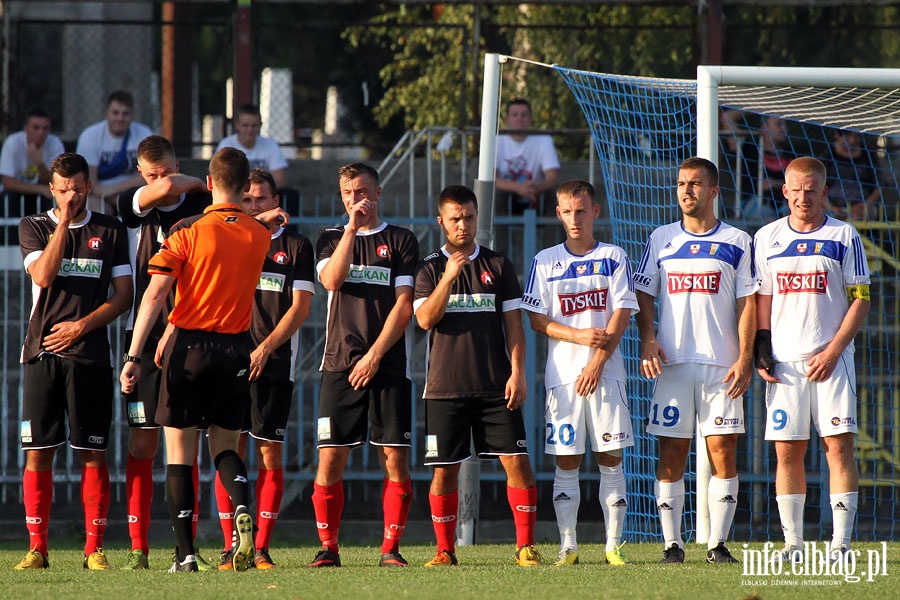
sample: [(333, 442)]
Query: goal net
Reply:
[(642, 128)]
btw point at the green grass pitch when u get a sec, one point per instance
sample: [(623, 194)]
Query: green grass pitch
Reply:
[(485, 571)]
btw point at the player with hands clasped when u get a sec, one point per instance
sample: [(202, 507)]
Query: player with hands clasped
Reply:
[(580, 295), (699, 269), (813, 298)]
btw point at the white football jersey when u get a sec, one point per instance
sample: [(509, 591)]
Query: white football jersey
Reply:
[(697, 279), (807, 275), (579, 291)]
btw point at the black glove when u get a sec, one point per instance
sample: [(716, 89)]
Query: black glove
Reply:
[(762, 351)]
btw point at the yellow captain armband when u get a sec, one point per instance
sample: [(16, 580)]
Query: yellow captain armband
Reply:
[(860, 291)]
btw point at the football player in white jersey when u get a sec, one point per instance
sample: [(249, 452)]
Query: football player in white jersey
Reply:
[(700, 271), (814, 297), (579, 294)]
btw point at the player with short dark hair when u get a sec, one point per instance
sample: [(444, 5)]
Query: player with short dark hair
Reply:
[(579, 294), (149, 213), (700, 271), (282, 301), (467, 297), (367, 266), (73, 256), (217, 258), (813, 298)]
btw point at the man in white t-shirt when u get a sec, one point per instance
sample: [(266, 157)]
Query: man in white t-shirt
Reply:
[(262, 152), (699, 269), (527, 165), (813, 298), (26, 155), (110, 148), (579, 294)]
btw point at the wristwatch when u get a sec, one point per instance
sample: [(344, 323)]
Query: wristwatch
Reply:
[(127, 358)]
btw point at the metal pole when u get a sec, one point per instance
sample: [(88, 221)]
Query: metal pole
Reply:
[(470, 470)]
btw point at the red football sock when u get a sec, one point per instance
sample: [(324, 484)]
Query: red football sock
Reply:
[(195, 519), (328, 503), (95, 498), (269, 490), (444, 510), (524, 507), (226, 512), (37, 489), (397, 496), (139, 495)]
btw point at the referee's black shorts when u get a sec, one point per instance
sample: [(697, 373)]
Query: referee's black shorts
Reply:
[(205, 380)]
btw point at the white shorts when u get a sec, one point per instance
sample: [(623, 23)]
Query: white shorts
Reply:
[(830, 404), (687, 392), (603, 417)]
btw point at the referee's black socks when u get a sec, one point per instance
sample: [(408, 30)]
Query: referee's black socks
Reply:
[(233, 474), (180, 497)]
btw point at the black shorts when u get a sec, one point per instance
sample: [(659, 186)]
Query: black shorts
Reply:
[(267, 413), (55, 386), (205, 380), (140, 405), (453, 425), (344, 413)]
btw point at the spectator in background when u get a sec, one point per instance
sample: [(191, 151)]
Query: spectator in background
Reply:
[(262, 152), (853, 190), (26, 155), (110, 148), (527, 165), (732, 135), (765, 160)]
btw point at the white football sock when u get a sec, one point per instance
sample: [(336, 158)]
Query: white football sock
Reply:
[(722, 497), (843, 513), (566, 500), (790, 510), (614, 503), (670, 504)]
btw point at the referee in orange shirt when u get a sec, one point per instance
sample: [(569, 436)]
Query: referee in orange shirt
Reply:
[(217, 258)]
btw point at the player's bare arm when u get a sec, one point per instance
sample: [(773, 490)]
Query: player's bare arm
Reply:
[(822, 365), (590, 375), (289, 323), (764, 322), (431, 310), (44, 270), (168, 189), (740, 373), (336, 270), (65, 333), (516, 389), (151, 304), (652, 355), (274, 218), (595, 337), (366, 367)]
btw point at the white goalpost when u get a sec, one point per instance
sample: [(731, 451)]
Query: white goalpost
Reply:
[(642, 128), (709, 80)]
